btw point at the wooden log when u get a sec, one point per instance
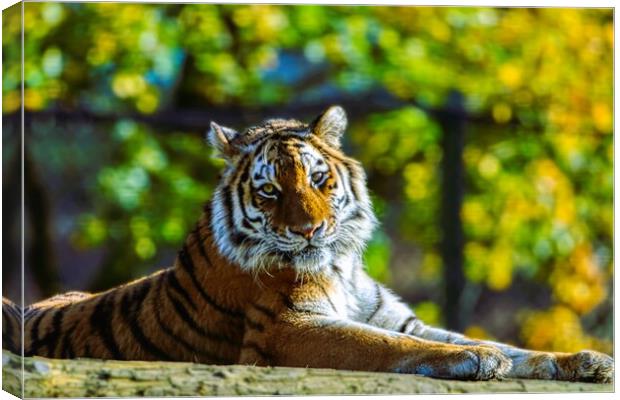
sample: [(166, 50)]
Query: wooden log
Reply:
[(98, 378)]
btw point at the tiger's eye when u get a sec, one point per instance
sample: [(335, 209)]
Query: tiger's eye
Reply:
[(268, 189), (317, 177)]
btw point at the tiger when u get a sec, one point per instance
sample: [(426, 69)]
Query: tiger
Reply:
[(272, 274)]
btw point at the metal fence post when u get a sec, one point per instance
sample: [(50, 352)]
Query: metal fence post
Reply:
[(452, 121)]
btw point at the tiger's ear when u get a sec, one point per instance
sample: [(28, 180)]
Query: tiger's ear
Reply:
[(220, 137), (330, 125)]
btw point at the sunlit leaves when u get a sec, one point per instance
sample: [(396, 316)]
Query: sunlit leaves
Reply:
[(478, 332), (11, 58), (558, 329), (387, 141), (124, 185), (128, 85), (429, 312), (377, 257), (145, 201), (578, 281), (52, 62), (92, 232)]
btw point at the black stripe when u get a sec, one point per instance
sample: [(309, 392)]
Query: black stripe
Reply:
[(259, 149), (34, 328), (343, 161), (236, 236), (294, 141), (164, 327), (53, 337), (405, 324), (257, 326), (8, 316), (185, 316), (8, 319), (207, 209), (15, 310), (67, 344), (242, 169), (101, 320), (241, 193), (264, 310), (246, 224), (260, 351), (186, 261), (340, 175), (132, 306), (253, 198), (293, 307), (12, 309), (357, 214), (378, 304), (27, 311), (255, 141), (201, 245), (9, 344), (340, 201), (8, 332), (287, 301), (87, 352), (345, 185), (174, 283), (50, 340), (351, 183)]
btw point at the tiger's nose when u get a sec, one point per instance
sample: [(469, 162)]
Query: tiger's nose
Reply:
[(309, 230)]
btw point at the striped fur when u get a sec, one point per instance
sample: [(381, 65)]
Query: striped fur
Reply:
[(272, 274)]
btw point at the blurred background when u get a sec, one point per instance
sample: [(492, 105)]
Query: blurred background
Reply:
[(486, 134)]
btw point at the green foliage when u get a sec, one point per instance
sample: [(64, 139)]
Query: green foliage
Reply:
[(429, 313), (377, 257), (539, 169), (149, 197)]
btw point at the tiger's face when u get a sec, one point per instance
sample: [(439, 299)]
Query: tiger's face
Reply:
[(289, 196)]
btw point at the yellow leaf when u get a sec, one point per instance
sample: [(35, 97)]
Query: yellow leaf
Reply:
[(502, 112), (510, 75), (603, 118)]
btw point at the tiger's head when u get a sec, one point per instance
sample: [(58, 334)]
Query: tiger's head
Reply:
[(289, 196)]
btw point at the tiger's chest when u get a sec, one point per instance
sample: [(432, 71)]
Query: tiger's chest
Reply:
[(333, 293)]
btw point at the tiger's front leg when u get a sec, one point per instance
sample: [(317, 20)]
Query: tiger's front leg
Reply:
[(586, 365), (383, 309), (295, 334)]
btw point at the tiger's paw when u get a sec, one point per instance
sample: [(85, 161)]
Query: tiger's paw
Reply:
[(461, 362), (485, 362), (586, 366)]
